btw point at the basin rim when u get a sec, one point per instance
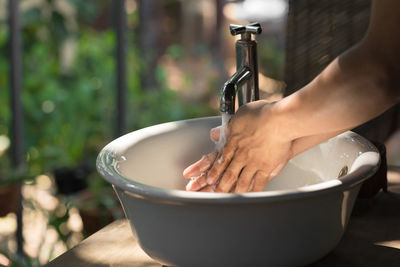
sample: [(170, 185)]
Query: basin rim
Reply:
[(140, 190)]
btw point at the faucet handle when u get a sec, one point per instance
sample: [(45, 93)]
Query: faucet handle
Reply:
[(254, 28)]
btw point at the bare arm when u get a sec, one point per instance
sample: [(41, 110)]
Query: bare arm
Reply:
[(356, 87)]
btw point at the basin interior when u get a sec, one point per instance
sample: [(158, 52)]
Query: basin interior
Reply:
[(156, 156)]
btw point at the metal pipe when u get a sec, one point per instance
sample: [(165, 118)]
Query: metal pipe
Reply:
[(246, 55), (120, 30), (244, 82), (231, 87), (15, 61)]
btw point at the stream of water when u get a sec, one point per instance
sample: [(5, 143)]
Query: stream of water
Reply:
[(223, 132)]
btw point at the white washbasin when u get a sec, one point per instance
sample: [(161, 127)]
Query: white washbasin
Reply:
[(299, 218)]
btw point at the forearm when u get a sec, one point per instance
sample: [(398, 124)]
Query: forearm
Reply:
[(356, 87), (350, 91), (301, 144)]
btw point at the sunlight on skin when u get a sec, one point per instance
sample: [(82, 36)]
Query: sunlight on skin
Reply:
[(197, 172), (354, 88), (202, 182), (245, 164)]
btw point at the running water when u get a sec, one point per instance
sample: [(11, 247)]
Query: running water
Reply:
[(219, 145), (222, 134)]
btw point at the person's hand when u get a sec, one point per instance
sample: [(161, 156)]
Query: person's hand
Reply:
[(255, 151)]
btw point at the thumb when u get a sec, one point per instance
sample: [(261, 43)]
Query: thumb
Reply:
[(214, 133)]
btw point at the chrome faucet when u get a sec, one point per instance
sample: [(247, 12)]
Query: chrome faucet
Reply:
[(245, 81)]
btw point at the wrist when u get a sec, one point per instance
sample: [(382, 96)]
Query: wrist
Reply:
[(282, 115)]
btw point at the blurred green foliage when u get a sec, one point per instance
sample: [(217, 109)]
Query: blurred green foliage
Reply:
[(69, 96), (5, 112), (69, 103), (67, 115), (69, 93), (271, 58), (20, 261)]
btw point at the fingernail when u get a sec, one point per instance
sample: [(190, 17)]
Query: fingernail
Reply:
[(210, 180), (188, 186), (191, 186), (186, 173)]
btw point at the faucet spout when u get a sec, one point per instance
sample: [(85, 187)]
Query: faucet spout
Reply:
[(244, 83), (230, 88)]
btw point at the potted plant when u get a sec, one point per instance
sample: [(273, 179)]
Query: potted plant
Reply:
[(10, 180), (98, 205)]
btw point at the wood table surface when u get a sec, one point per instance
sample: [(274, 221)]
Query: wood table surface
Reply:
[(372, 238)]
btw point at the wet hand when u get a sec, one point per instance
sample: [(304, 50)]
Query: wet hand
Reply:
[(255, 152)]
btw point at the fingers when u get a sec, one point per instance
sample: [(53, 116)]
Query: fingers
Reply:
[(200, 185), (221, 163), (197, 184), (277, 170), (244, 182), (249, 180), (200, 166), (260, 180), (208, 188), (303, 143), (229, 177), (214, 133)]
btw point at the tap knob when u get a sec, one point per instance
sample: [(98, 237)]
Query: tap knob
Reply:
[(252, 28)]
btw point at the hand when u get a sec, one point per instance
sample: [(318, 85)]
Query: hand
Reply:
[(255, 152)]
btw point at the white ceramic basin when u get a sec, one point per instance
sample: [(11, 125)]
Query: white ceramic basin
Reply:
[(299, 218)]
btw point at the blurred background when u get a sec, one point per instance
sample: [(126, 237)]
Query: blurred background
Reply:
[(177, 55)]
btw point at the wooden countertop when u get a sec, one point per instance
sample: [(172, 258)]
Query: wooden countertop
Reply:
[(372, 238)]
